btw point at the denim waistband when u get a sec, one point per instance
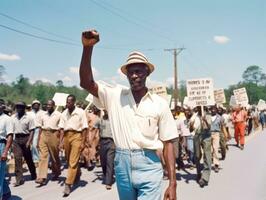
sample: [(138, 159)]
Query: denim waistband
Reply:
[(132, 151)]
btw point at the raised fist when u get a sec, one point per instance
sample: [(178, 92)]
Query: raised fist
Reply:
[(90, 38)]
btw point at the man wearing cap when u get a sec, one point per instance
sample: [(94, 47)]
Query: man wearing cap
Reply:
[(35, 111), (73, 126), (141, 124), (6, 135), (23, 130), (48, 142)]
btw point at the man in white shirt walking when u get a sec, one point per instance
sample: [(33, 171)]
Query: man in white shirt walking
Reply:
[(141, 124)]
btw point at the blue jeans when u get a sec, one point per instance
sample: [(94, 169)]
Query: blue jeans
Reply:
[(138, 174), (190, 148), (4, 188), (34, 150)]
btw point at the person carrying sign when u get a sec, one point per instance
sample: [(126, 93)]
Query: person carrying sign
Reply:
[(141, 123), (239, 118)]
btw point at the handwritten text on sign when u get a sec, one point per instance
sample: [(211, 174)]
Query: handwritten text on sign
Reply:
[(219, 96), (241, 96), (200, 91)]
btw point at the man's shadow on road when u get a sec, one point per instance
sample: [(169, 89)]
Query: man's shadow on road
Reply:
[(14, 197), (187, 176)]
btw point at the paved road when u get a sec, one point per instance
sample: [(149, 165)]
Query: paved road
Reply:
[(242, 176)]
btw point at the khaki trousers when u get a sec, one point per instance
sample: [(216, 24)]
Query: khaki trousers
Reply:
[(49, 142), (72, 144), (215, 147)]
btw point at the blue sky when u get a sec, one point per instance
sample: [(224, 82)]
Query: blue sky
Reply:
[(221, 38)]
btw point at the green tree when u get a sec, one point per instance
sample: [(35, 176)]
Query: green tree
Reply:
[(22, 85), (253, 74)]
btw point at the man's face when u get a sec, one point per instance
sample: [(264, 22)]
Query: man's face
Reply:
[(137, 74), (220, 111), (213, 111), (36, 106), (20, 109), (50, 106), (70, 104)]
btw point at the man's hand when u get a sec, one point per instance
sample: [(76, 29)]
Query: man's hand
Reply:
[(170, 193), (90, 38), (4, 156)]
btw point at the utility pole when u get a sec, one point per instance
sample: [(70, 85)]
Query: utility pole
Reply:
[(176, 52)]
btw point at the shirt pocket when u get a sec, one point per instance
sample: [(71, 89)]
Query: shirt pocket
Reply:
[(148, 125)]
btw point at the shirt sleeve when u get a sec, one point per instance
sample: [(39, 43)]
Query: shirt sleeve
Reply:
[(39, 121), (31, 123), (9, 126), (105, 95), (167, 125), (84, 120)]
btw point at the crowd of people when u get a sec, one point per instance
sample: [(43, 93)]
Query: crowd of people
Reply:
[(131, 133), (86, 138)]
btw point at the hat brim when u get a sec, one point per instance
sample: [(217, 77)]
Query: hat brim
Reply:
[(149, 65)]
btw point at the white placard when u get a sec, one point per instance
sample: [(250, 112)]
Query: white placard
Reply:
[(219, 96), (261, 105), (241, 96), (89, 98), (200, 91), (232, 101), (188, 103), (159, 90), (60, 99)]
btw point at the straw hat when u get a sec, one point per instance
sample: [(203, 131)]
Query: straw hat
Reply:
[(136, 57), (36, 102)]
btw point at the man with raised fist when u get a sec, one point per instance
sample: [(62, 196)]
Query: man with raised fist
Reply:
[(141, 124)]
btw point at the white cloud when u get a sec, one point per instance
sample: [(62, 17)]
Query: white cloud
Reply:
[(221, 39), (74, 70), (42, 79), (170, 81), (9, 57), (67, 79)]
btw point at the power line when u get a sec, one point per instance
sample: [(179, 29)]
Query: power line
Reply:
[(35, 27), (129, 20), (38, 37), (152, 26)]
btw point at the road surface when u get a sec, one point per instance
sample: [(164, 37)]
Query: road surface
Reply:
[(242, 176)]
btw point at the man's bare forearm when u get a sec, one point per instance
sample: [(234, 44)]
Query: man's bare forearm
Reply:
[(169, 157), (8, 142), (85, 72)]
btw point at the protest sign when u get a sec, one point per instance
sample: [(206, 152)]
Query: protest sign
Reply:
[(261, 105), (159, 90), (241, 96), (60, 99), (232, 101), (200, 91), (219, 96)]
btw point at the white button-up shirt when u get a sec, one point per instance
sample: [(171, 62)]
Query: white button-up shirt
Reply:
[(23, 125), (76, 121), (48, 121), (6, 126), (136, 127)]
